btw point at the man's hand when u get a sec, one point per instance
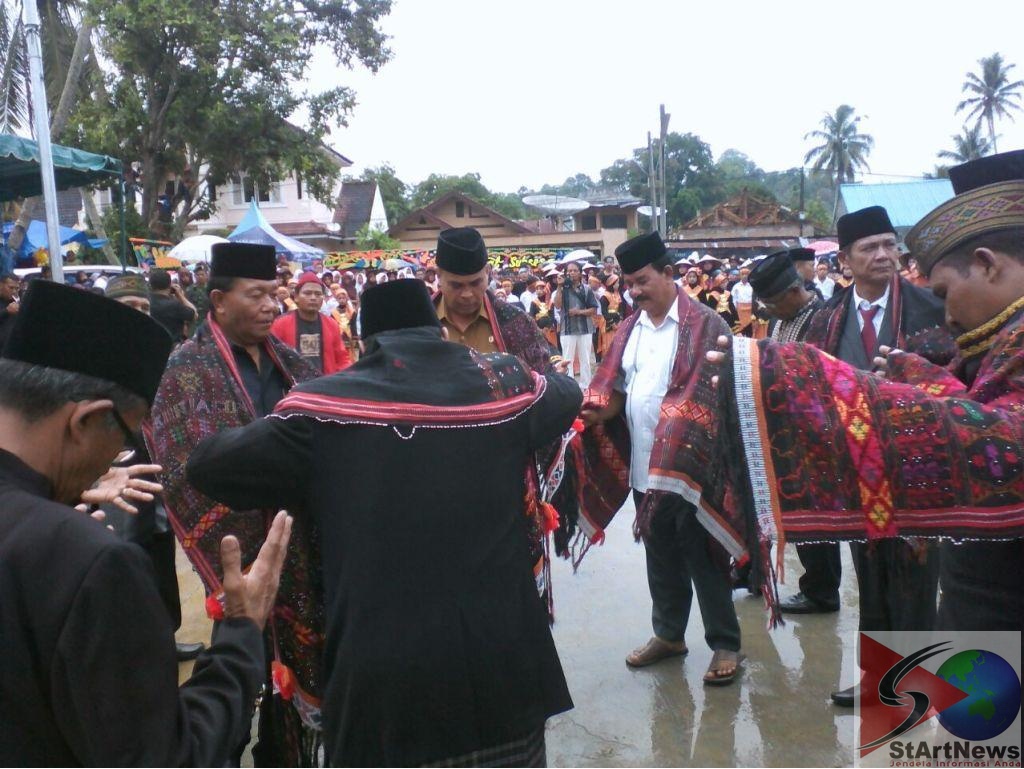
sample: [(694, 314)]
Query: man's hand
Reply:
[(121, 486), (252, 595), (880, 365), (591, 417), (718, 356), (13, 307)]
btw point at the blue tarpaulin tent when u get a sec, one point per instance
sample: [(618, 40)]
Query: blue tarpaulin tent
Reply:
[(254, 228), (35, 236)]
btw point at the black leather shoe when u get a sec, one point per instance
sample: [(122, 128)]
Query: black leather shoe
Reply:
[(187, 652), (844, 697), (801, 604)]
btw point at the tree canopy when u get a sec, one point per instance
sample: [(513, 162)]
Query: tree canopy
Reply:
[(992, 94), (204, 93)]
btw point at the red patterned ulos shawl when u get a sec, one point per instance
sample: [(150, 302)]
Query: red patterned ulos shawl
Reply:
[(686, 461), (836, 453), (201, 394)]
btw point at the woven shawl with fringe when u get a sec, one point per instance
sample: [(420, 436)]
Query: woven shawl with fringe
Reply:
[(830, 452), (688, 460), (201, 394)]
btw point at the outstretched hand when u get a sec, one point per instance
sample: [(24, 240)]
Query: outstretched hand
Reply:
[(121, 486), (252, 595), (718, 356)]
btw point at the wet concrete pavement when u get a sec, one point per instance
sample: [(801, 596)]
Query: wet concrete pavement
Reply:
[(777, 712)]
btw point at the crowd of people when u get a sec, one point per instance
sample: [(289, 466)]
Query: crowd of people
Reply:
[(863, 396)]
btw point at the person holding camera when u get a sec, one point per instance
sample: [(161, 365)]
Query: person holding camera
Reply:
[(169, 306)]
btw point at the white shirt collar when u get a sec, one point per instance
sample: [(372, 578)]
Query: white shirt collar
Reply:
[(673, 315), (882, 301)]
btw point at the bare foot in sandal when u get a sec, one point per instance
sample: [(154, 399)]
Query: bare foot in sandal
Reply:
[(723, 668)]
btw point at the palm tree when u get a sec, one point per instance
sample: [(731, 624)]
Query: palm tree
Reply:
[(969, 145), (993, 94), (844, 150), (13, 70)]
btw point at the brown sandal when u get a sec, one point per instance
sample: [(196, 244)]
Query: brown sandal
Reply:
[(653, 651), (721, 658)]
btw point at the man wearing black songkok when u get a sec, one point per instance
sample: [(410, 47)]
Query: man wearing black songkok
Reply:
[(437, 646), (88, 674), (897, 580), (230, 372)]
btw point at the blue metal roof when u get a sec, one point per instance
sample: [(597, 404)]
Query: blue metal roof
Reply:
[(906, 202)]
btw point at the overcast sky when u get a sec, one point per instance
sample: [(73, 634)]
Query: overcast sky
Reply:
[(532, 91)]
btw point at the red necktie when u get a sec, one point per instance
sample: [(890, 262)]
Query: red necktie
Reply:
[(868, 337)]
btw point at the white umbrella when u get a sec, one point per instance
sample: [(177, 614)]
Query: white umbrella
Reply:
[(195, 249), (577, 255)]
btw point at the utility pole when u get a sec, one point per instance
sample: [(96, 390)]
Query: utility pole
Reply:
[(41, 116), (652, 184), (802, 214), (663, 228)]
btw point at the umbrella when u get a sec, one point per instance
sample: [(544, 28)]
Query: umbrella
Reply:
[(195, 249), (394, 265), (576, 255), (823, 247)]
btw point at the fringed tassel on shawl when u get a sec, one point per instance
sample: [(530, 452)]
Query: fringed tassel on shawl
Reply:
[(645, 513), (763, 577)]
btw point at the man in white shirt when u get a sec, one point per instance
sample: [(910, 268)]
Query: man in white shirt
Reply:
[(678, 548), (825, 285)]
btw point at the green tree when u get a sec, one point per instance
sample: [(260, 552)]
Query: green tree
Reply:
[(690, 181), (968, 145), (13, 70), (371, 239), (436, 185), (578, 186), (202, 93), (993, 95), (818, 215), (843, 150), (135, 227), (393, 191)]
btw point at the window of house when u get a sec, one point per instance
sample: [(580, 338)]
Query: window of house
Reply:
[(245, 190), (588, 222), (613, 221), (460, 209)]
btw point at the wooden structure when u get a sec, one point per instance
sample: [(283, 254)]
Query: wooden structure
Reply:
[(744, 225)]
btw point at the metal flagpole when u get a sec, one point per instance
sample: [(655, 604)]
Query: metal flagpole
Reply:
[(41, 116)]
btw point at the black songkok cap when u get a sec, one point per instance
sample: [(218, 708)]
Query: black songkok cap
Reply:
[(873, 220), (84, 333), (461, 250), (395, 305), (243, 260), (636, 253), (1004, 167), (801, 254), (773, 274)]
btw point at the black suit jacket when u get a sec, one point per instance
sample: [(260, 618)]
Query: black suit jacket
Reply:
[(88, 671)]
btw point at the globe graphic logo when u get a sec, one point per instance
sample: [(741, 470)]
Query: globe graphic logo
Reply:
[(993, 695)]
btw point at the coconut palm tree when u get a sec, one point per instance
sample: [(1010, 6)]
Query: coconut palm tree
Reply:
[(969, 145), (13, 70), (843, 150), (993, 95)]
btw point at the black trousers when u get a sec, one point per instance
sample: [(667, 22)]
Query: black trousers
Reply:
[(823, 571), (679, 561), (898, 589)]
